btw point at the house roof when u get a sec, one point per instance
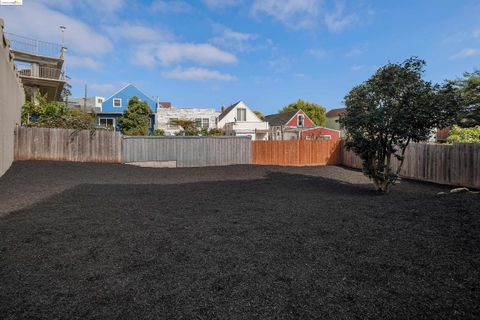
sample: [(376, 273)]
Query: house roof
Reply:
[(131, 85), (227, 110), (280, 119), (336, 112)]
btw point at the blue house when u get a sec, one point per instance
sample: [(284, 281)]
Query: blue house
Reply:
[(113, 107)]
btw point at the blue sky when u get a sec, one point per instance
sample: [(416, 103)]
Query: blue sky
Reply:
[(269, 53)]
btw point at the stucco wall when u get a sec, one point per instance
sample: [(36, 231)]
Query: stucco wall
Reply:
[(12, 97), (164, 115)]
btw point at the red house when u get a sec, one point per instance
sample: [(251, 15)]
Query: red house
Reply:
[(297, 125)]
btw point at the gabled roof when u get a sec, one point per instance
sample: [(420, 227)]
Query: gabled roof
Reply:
[(336, 112), (280, 119), (227, 110), (131, 85)]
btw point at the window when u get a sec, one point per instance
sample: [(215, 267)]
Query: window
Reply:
[(117, 102), (99, 100), (241, 114), (202, 123), (108, 123), (300, 120)]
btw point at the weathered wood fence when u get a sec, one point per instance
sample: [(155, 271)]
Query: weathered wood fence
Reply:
[(67, 145), (296, 152), (187, 151), (457, 164)]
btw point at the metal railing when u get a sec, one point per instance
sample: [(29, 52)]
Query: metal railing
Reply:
[(24, 44), (44, 72)]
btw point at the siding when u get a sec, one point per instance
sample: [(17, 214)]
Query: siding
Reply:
[(12, 97)]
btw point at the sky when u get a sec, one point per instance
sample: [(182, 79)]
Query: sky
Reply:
[(268, 53)]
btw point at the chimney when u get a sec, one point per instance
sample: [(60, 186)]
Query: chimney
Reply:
[(223, 108)]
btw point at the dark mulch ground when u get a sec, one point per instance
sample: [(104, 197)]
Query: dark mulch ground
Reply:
[(112, 241)]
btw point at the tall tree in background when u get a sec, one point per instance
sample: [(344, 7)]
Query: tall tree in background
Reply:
[(469, 88), (259, 115), (314, 111), (135, 120), (391, 109)]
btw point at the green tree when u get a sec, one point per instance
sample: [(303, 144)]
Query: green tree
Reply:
[(469, 87), (212, 132), (135, 120), (187, 125), (465, 135), (314, 111), (158, 133), (55, 114), (259, 115), (391, 109)]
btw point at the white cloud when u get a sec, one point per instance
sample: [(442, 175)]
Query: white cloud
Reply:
[(358, 67), (356, 51), (82, 62), (465, 53), (138, 32), (197, 74), (238, 41), (337, 21), (218, 4), (296, 14), (205, 54), (281, 64), (318, 53), (103, 88), (35, 20), (171, 6)]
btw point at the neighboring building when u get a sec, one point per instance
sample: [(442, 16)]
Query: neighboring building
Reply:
[(332, 120), (204, 118), (239, 120), (296, 125), (113, 107), (39, 65), (90, 103)]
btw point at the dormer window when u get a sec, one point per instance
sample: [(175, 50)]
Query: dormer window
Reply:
[(117, 102), (241, 114), (300, 120)]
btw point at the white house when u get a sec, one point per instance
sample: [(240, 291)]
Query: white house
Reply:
[(240, 120), (90, 103), (204, 118)]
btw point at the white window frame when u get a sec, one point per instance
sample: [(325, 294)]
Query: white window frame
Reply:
[(303, 120), (114, 122), (117, 99), (244, 110)]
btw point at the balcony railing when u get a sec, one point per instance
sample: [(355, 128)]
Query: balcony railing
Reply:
[(24, 44), (35, 71)]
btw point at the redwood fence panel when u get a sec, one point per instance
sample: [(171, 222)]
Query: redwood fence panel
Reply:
[(187, 151), (296, 152), (67, 145), (457, 164)]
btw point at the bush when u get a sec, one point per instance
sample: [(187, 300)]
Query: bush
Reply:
[(468, 135), (135, 120), (158, 132), (55, 115)]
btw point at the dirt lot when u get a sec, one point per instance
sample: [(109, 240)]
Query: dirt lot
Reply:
[(82, 241)]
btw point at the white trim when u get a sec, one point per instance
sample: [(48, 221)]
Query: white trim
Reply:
[(113, 102), (107, 118), (146, 95)]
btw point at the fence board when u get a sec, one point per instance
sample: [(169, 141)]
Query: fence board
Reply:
[(457, 164), (296, 152), (188, 151), (67, 145)]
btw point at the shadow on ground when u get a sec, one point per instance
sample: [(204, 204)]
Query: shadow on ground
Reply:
[(279, 245)]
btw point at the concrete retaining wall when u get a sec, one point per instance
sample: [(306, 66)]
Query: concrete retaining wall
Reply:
[(12, 97)]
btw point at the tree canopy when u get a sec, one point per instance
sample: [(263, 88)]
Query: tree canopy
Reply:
[(464, 135), (55, 114), (135, 120), (391, 109), (314, 111), (469, 87)]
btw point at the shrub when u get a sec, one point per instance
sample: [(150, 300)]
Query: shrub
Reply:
[(468, 135)]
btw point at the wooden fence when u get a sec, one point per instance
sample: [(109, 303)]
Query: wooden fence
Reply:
[(296, 152), (67, 145), (188, 151), (457, 164)]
